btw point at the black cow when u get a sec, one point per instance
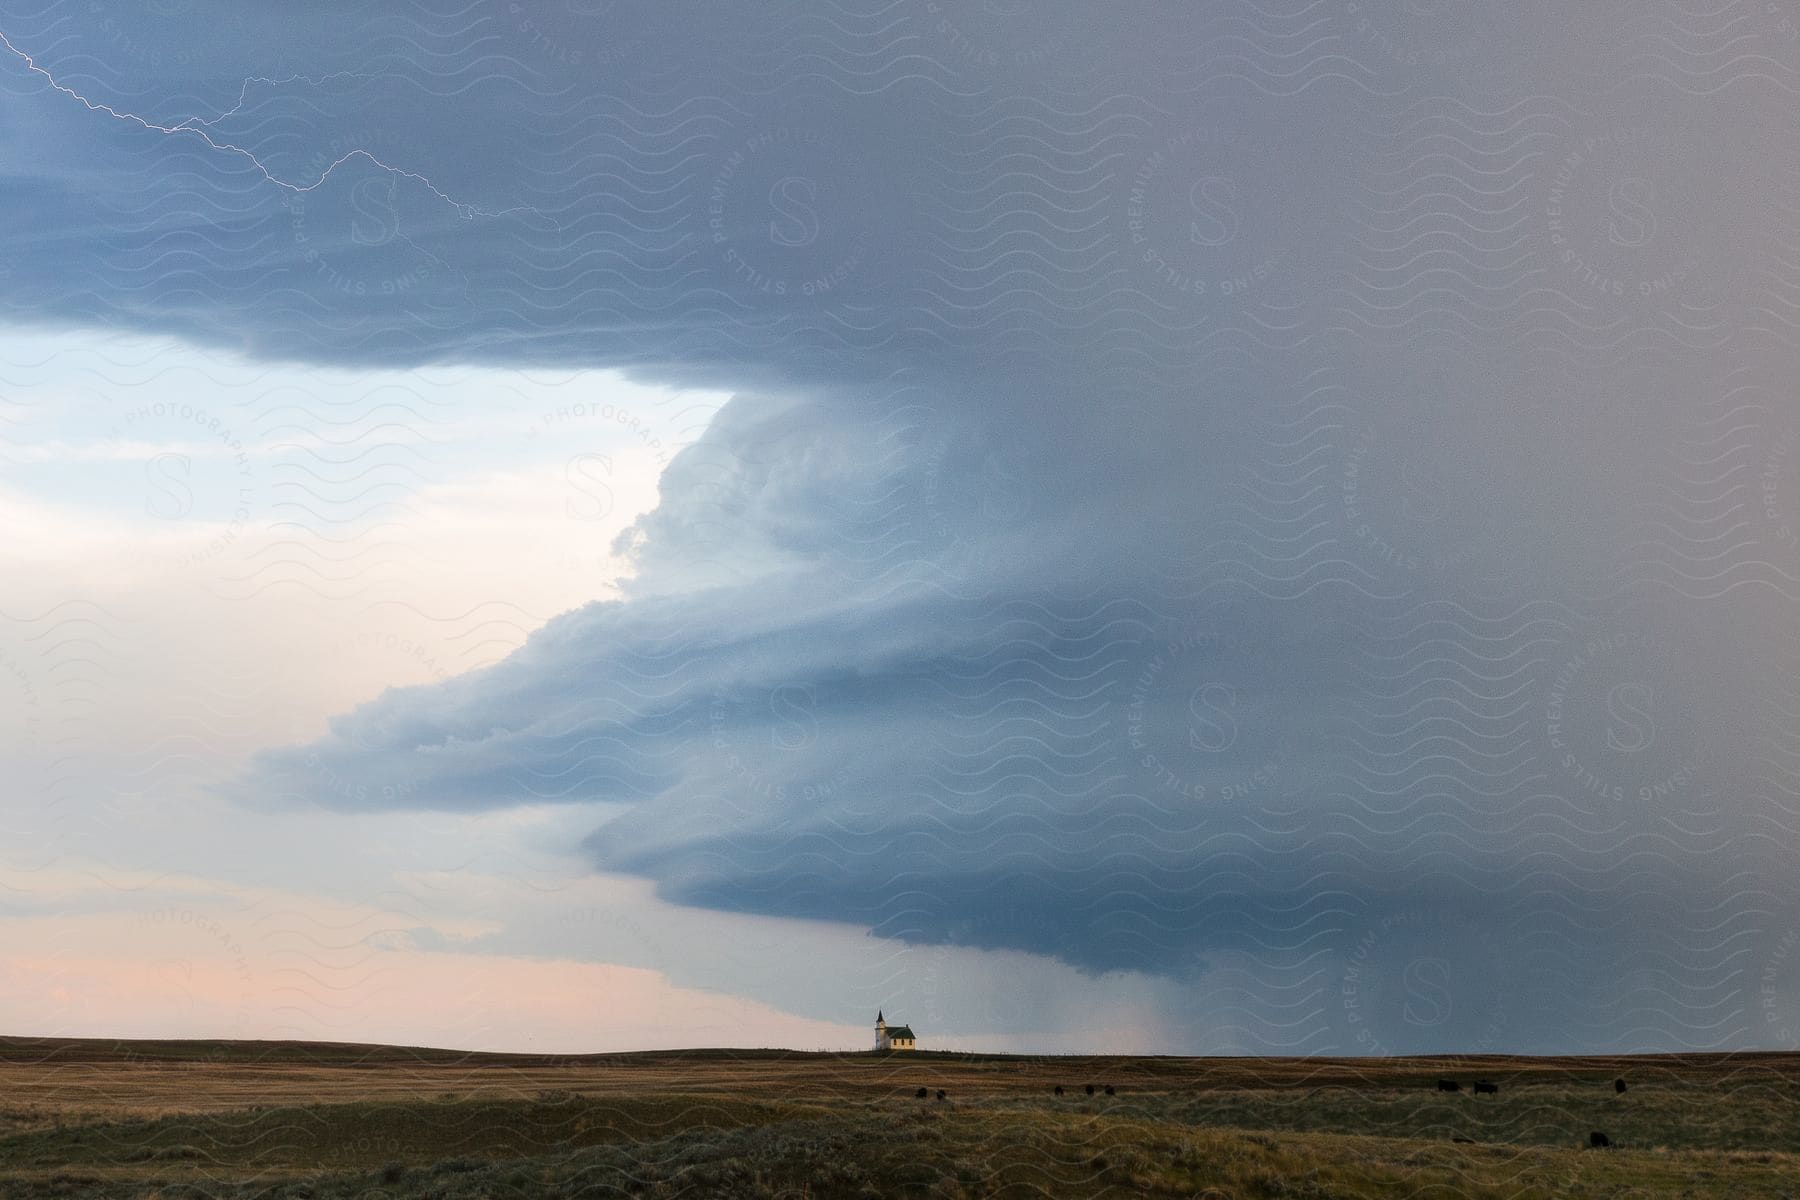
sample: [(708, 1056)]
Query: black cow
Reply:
[(1090, 1089), (1598, 1140), (1619, 1086), (1482, 1086), (940, 1093), (1059, 1089), (921, 1093), (1449, 1085), (1109, 1090), (1463, 1141)]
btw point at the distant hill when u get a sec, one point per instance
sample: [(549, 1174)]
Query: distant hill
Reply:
[(342, 1054), (46, 1050)]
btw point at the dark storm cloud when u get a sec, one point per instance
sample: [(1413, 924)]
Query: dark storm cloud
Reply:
[(1209, 484)]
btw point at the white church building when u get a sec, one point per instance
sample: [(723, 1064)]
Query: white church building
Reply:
[(893, 1037)]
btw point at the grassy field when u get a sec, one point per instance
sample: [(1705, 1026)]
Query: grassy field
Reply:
[(172, 1121)]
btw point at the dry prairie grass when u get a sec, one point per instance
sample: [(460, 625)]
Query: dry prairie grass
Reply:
[(132, 1120)]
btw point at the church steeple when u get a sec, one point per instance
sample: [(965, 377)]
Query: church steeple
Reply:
[(892, 1037)]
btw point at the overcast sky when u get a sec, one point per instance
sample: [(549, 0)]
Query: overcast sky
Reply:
[(595, 524)]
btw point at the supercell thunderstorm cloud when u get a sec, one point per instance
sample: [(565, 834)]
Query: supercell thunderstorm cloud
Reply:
[(1284, 517)]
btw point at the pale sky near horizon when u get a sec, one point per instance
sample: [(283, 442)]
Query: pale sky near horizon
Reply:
[(1259, 527), (163, 484)]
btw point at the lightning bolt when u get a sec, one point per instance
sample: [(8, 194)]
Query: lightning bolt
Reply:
[(244, 92), (199, 128)]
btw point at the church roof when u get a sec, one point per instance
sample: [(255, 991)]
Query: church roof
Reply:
[(901, 1031)]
